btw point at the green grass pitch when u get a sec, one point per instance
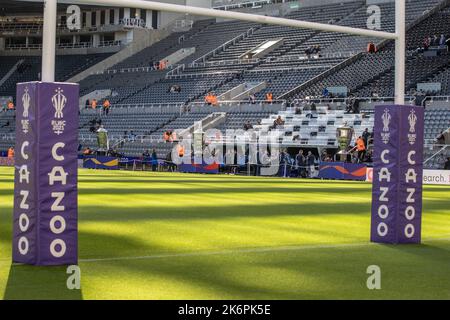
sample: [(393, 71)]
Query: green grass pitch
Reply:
[(180, 236)]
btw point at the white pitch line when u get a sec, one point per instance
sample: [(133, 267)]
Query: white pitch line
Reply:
[(239, 251), (249, 250)]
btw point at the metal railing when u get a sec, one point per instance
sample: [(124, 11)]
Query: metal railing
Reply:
[(149, 107), (201, 74), (239, 102), (176, 70), (345, 99), (130, 70), (440, 151), (432, 99), (236, 4), (76, 45)]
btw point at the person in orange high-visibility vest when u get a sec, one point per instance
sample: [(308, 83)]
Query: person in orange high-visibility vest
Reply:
[(214, 100), (361, 147), (269, 97), (11, 153), (208, 98), (94, 104), (371, 48), (180, 149), (106, 106), (10, 105)]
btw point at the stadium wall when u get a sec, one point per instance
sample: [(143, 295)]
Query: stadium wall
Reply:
[(142, 39), (166, 18), (281, 9)]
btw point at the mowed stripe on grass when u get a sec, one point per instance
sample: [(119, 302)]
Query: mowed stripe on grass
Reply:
[(135, 214)]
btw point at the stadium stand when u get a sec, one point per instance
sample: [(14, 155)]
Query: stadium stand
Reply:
[(28, 68), (294, 77)]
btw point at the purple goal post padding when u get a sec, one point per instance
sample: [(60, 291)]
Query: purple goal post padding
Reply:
[(45, 230), (397, 175)]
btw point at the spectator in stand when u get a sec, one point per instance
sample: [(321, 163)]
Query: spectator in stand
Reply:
[(215, 101), (300, 164), (248, 126), (308, 52), (310, 161), (375, 94), (325, 92), (351, 104), (211, 99), (329, 158), (252, 98), (366, 136), (285, 164), (154, 160), (166, 136), (10, 105), (277, 122), (132, 136), (369, 156), (419, 97), (440, 139), (361, 147), (106, 105), (280, 121), (317, 49), (145, 155), (371, 48), (11, 153), (435, 41), (88, 151), (94, 104), (174, 89), (442, 40), (447, 164), (170, 165), (269, 97), (426, 43), (87, 104), (181, 150)]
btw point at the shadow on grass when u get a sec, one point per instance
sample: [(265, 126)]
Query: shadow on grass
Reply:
[(227, 211), (27, 282)]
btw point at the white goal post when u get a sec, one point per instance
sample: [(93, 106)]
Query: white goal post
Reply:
[(50, 14)]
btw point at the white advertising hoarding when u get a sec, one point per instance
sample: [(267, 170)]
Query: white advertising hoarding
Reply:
[(439, 177)]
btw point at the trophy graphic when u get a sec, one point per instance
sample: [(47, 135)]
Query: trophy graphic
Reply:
[(344, 136), (103, 141)]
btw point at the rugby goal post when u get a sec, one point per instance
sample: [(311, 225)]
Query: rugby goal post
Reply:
[(45, 229), (50, 14)]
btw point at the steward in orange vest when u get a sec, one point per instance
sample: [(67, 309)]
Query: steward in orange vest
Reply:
[(371, 48), (361, 147), (180, 149), (11, 153)]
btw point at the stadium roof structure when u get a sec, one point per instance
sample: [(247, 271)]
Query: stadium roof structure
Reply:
[(14, 7)]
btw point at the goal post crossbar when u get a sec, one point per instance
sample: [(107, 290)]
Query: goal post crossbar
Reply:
[(49, 30)]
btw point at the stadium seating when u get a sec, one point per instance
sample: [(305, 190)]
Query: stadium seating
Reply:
[(30, 68)]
